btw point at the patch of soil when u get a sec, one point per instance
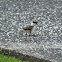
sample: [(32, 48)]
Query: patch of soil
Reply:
[(23, 57)]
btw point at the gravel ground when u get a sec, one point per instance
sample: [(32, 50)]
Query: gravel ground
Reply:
[(15, 14)]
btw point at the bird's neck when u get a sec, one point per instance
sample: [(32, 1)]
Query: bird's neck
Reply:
[(32, 24)]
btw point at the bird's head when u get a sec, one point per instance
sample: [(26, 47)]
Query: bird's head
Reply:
[(35, 22)]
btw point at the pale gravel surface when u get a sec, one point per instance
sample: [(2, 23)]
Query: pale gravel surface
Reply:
[(15, 14)]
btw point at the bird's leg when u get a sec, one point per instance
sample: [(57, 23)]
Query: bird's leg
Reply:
[(30, 36), (30, 33), (26, 33)]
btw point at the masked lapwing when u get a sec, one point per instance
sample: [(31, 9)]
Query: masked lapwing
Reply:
[(31, 28)]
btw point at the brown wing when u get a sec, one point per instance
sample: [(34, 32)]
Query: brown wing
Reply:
[(28, 28)]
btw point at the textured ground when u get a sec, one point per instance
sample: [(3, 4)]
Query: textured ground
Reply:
[(15, 14)]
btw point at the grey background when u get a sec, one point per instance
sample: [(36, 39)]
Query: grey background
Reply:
[(15, 14)]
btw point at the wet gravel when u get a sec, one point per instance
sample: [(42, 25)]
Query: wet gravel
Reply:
[(15, 14)]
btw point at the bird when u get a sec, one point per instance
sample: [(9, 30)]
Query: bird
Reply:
[(31, 28)]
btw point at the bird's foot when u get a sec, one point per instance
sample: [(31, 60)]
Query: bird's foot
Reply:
[(34, 35), (25, 40)]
